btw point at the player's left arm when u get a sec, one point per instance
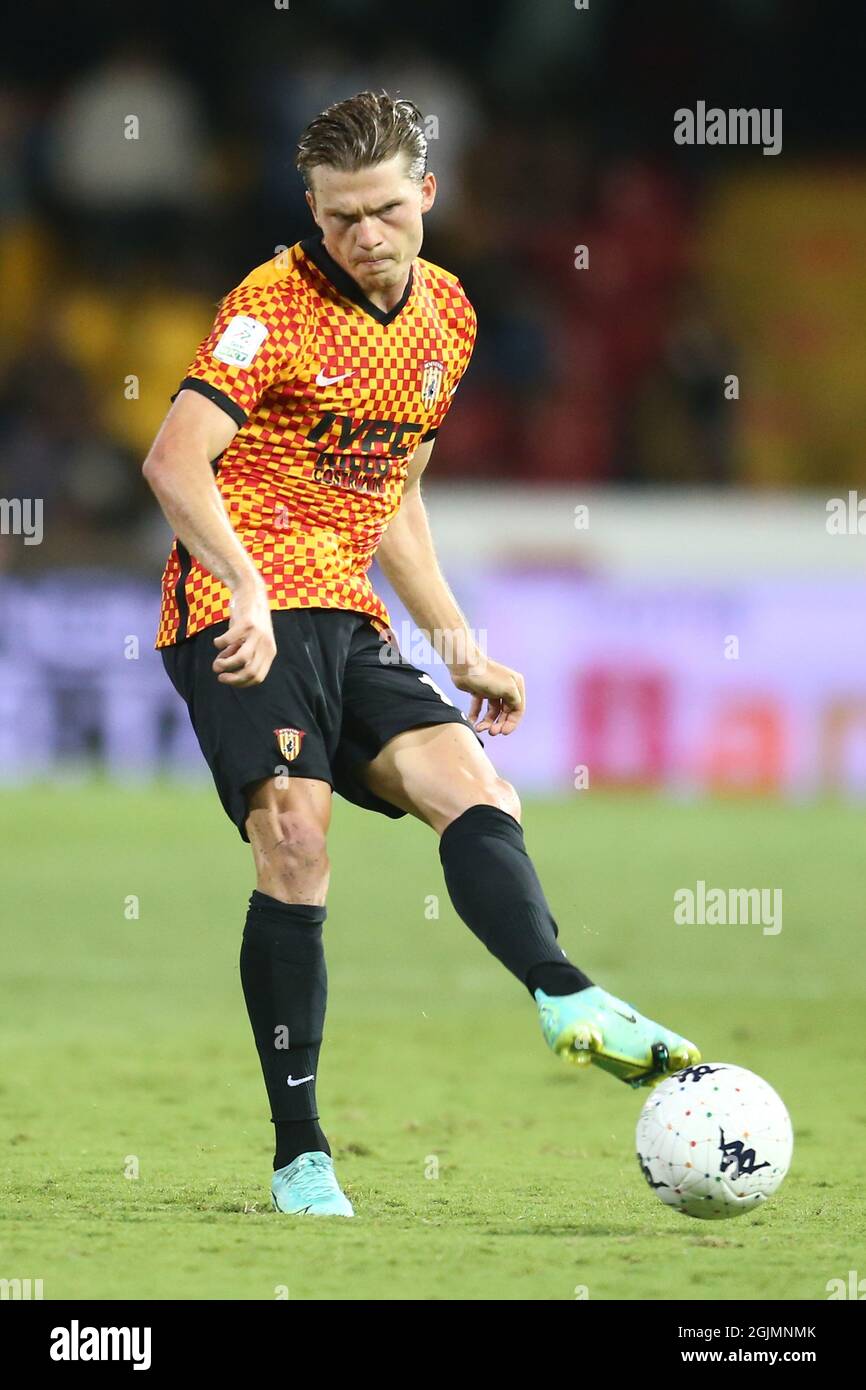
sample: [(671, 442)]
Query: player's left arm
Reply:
[(408, 560)]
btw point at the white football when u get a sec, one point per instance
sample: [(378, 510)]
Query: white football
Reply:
[(714, 1141)]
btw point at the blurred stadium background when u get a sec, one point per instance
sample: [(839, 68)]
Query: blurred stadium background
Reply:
[(655, 555)]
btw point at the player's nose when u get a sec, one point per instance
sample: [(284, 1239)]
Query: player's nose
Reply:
[(367, 235)]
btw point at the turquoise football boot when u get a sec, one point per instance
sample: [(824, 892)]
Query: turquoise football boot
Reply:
[(594, 1026), (308, 1187)]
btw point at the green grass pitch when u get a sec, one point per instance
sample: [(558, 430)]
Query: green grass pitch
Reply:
[(126, 1049)]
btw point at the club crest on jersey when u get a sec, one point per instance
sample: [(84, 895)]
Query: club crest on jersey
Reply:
[(289, 741), (431, 382)]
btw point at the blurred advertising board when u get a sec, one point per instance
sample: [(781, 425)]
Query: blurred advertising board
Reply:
[(755, 686)]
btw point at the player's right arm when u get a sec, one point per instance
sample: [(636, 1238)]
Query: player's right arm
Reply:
[(178, 469)]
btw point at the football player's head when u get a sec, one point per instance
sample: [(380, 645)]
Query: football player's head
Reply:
[(364, 161)]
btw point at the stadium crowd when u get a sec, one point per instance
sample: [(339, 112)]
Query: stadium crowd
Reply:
[(141, 178)]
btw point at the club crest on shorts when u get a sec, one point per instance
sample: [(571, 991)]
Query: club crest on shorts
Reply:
[(431, 381), (289, 741)]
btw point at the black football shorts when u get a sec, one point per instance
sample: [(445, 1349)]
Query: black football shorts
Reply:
[(329, 703)]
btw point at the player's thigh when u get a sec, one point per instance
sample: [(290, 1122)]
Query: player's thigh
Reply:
[(436, 773)]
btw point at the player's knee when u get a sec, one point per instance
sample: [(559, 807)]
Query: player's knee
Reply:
[(300, 854), (302, 840), (507, 798), (499, 793)]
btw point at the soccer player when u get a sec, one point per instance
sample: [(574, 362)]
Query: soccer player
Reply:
[(291, 455)]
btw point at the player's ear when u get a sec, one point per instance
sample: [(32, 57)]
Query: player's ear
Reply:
[(311, 204), (428, 192)]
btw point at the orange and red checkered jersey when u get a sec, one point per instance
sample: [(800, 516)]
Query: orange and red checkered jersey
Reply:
[(332, 396)]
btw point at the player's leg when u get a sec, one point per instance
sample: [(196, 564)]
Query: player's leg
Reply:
[(441, 775), (269, 749), (287, 826), (285, 981)]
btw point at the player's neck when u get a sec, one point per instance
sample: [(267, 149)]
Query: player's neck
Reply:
[(384, 298), (387, 299)]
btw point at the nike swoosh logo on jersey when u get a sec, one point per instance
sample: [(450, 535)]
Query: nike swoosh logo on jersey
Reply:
[(300, 1081), (322, 380)]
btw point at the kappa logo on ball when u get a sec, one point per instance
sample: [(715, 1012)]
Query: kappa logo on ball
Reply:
[(289, 741), (431, 381)]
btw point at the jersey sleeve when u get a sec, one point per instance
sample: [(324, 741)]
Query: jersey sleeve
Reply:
[(256, 338), (465, 325)]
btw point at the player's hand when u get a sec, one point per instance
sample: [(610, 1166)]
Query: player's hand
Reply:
[(247, 647), (502, 688)]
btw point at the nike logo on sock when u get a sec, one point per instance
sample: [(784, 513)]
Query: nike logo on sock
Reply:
[(629, 1018), (300, 1081)]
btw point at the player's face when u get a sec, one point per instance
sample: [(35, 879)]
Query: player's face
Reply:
[(372, 222)]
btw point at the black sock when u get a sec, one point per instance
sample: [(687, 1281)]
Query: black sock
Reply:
[(298, 1137), (556, 977), (495, 889), (285, 986)]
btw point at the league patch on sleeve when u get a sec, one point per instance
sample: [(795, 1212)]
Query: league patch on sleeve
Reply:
[(241, 340)]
